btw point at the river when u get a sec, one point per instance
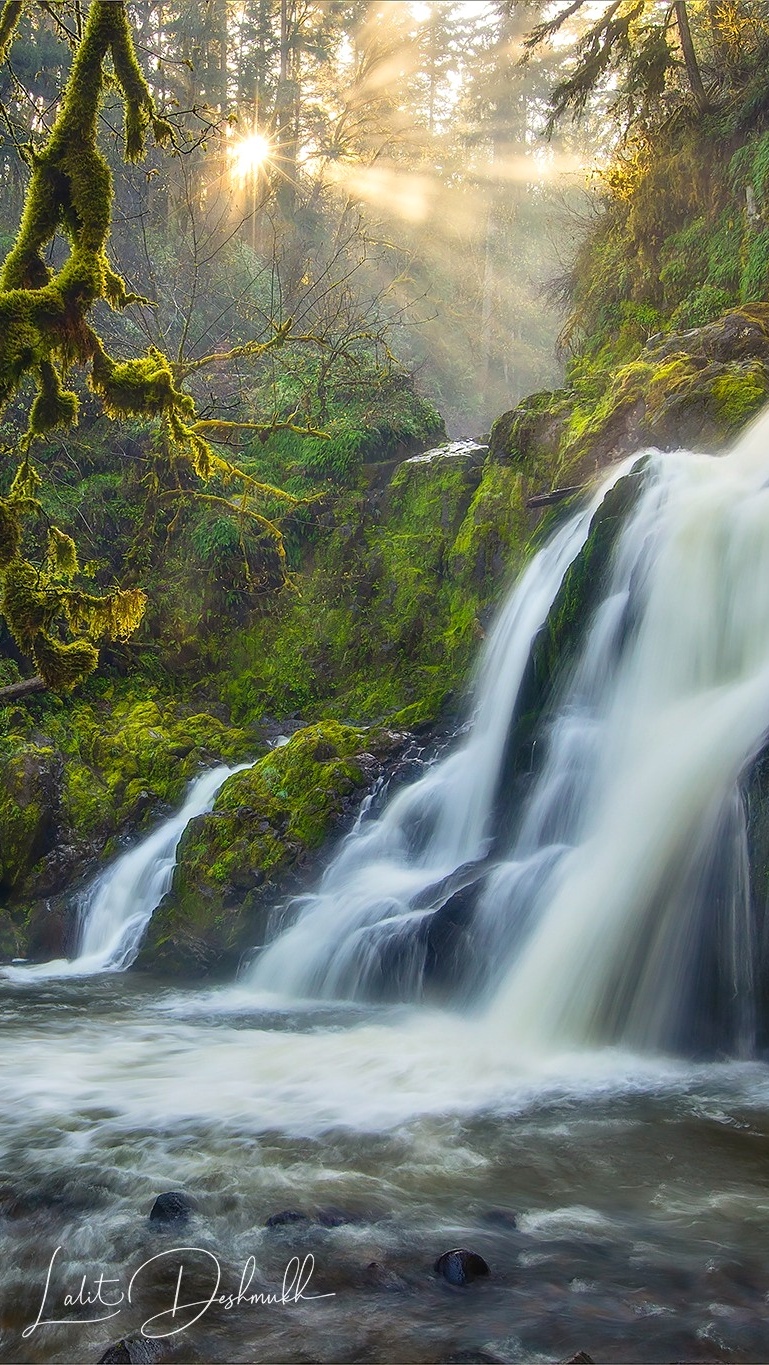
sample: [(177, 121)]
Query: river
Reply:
[(620, 1202)]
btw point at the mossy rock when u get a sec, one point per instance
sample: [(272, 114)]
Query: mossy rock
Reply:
[(29, 811), (259, 841), (694, 389), (76, 779), (493, 535), (531, 434), (128, 761)]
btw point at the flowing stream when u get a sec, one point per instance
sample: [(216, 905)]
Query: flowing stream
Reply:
[(519, 1014), (117, 906)]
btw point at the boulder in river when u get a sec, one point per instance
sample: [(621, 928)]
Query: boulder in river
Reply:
[(171, 1207), (286, 1217), (135, 1351), (461, 1266)]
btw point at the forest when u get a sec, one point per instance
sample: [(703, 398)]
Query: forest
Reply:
[(384, 679)]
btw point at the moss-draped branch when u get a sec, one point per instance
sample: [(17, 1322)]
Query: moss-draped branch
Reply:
[(45, 329)]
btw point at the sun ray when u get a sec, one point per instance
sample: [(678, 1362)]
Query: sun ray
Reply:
[(248, 155)]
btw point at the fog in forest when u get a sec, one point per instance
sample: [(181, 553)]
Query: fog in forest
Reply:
[(379, 173)]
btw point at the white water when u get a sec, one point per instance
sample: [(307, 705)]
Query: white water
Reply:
[(618, 908), (117, 907), (432, 828)]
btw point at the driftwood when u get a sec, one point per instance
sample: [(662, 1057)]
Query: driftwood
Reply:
[(20, 689), (555, 495)]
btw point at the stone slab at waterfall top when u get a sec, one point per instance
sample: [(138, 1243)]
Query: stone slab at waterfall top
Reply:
[(694, 389)]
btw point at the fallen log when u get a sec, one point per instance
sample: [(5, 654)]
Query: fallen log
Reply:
[(20, 689), (555, 495)]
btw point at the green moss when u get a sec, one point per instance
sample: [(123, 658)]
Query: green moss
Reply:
[(266, 821), (697, 389), (27, 811), (754, 281), (739, 393), (702, 306), (121, 760)]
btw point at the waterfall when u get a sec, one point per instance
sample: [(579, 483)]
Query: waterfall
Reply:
[(116, 908), (601, 892), (433, 833)]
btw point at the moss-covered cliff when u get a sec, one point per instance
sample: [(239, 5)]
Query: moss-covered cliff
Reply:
[(261, 839), (684, 390)]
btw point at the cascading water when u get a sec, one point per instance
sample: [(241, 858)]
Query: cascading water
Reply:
[(604, 896), (435, 831), (580, 864), (116, 908)]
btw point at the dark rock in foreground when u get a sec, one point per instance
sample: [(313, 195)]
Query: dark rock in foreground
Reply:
[(285, 1218), (172, 1207), (134, 1351), (461, 1266)]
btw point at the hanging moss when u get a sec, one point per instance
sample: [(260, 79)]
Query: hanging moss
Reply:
[(26, 605), (63, 666), (62, 555), (144, 386), (9, 17), (44, 328), (10, 534)]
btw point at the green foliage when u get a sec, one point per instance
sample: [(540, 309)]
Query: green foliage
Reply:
[(381, 420), (703, 305), (682, 234), (385, 619), (45, 329), (754, 283)]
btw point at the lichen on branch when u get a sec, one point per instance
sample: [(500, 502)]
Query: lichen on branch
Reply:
[(45, 329)]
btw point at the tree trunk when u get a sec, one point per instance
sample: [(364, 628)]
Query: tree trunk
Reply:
[(20, 689), (690, 56)]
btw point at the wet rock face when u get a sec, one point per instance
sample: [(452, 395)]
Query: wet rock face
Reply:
[(51, 930), (756, 798), (30, 785)]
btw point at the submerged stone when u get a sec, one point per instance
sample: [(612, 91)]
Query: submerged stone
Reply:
[(379, 1276), (172, 1207), (286, 1217), (332, 1217), (461, 1266), (134, 1351)]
